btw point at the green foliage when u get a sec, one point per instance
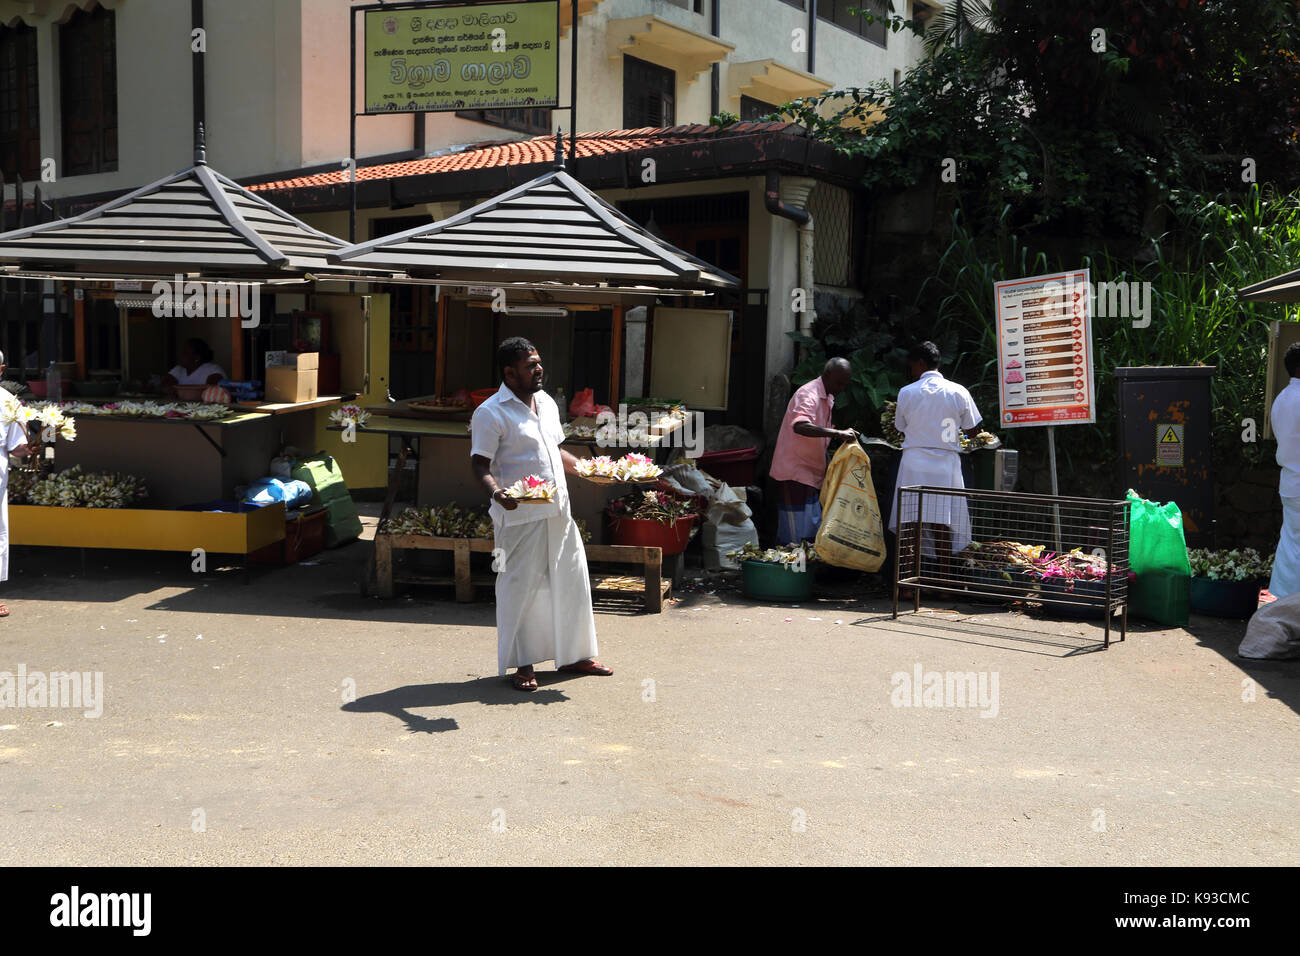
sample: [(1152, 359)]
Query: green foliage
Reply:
[(1215, 246), (872, 346), (1082, 120), (723, 119)]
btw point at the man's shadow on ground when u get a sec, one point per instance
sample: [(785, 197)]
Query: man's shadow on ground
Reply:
[(400, 701)]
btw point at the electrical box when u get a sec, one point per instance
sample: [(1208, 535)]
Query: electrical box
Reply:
[(1164, 441)]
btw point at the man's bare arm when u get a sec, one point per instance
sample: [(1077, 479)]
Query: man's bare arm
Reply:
[(483, 473), (809, 430)]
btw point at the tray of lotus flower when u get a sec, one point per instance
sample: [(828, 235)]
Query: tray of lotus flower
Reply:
[(631, 469), (532, 490)]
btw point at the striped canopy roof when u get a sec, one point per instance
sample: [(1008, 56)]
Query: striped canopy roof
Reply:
[(195, 221), (552, 229)]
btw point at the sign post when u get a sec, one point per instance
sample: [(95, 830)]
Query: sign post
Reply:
[(1045, 372)]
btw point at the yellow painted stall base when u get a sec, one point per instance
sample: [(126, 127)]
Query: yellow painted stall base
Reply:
[(145, 529)]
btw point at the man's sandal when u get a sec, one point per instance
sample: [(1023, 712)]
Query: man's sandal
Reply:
[(587, 667), (526, 682)]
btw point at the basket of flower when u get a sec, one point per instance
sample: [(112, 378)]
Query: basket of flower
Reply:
[(783, 573), (652, 519), (1227, 583), (1001, 568), (1077, 576)]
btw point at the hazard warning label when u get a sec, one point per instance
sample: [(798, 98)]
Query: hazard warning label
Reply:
[(1169, 446)]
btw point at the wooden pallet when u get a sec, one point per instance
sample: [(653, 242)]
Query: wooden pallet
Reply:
[(650, 583)]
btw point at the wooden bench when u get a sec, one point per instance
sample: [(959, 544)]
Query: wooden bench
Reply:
[(650, 583)]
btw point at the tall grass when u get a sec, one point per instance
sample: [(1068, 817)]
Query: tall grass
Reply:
[(1214, 246)]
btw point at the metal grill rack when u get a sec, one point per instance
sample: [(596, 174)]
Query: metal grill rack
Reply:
[(1068, 553)]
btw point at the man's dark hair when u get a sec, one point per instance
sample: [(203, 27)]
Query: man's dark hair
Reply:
[(927, 353), (511, 351), (200, 349), (1292, 359)]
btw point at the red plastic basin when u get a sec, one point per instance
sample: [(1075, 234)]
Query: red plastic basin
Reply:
[(648, 533)]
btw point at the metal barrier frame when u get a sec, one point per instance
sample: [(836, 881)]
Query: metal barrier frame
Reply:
[(1114, 514)]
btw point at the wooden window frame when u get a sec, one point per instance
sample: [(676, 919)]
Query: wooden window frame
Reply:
[(20, 146), (88, 91)]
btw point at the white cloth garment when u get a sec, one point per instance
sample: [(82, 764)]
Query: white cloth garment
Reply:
[(1285, 419), (543, 593), (13, 436), (1286, 560), (199, 376), (520, 442), (930, 412)]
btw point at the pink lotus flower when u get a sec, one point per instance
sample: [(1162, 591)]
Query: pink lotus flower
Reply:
[(533, 481)]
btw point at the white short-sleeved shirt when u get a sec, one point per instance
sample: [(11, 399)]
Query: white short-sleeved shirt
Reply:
[(931, 409), (199, 376), (520, 443), (1285, 419)]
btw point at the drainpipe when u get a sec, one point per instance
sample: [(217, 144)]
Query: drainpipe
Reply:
[(715, 92), (789, 199), (197, 92)]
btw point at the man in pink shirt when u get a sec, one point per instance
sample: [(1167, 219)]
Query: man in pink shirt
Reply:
[(799, 461)]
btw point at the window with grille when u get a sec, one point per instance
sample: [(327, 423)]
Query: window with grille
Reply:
[(20, 105), (832, 211), (88, 92), (649, 94), (851, 15), (526, 119)]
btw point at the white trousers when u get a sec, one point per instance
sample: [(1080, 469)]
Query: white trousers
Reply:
[(1286, 561), (543, 594)]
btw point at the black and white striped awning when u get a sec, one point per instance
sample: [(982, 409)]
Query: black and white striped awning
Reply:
[(552, 229)]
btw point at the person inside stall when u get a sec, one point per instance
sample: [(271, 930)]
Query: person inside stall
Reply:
[(13, 437), (799, 461), (932, 412), (194, 366)]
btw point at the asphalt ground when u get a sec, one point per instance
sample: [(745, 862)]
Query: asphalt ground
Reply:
[(293, 721)]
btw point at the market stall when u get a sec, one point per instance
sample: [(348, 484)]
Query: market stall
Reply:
[(551, 261), (192, 255)]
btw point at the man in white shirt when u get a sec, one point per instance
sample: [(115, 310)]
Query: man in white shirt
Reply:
[(1285, 418), (195, 366), (931, 414), (543, 593)]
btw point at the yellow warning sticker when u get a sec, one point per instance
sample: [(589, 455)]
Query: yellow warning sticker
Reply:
[(1169, 446)]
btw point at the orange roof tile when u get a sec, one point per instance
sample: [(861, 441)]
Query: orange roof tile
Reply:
[(540, 149)]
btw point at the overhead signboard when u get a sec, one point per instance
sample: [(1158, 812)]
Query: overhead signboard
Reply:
[(474, 56), (1044, 329)]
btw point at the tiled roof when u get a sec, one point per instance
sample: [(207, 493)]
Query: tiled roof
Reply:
[(540, 149)]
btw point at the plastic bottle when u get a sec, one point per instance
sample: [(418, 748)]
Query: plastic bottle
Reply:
[(53, 384), (563, 404)]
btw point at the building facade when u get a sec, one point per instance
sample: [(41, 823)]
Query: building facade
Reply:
[(101, 96)]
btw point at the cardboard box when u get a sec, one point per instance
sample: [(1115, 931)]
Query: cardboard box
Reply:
[(293, 383)]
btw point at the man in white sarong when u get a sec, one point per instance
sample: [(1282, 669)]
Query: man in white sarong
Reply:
[(13, 441), (1285, 418), (930, 413), (543, 593)]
